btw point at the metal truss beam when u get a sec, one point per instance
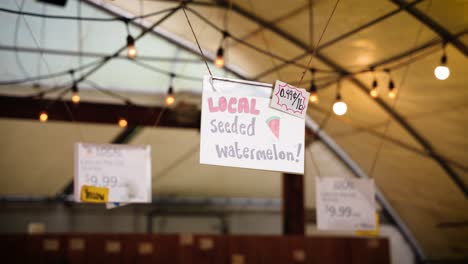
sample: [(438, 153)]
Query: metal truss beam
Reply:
[(432, 24), (395, 115)]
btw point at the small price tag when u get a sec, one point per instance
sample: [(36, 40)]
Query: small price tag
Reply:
[(237, 259), (76, 244), (186, 239), (93, 194), (145, 248), (299, 255), (206, 244), (50, 245), (345, 204), (370, 233), (113, 247), (290, 99)]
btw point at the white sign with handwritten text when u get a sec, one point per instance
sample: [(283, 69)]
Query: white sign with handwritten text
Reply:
[(239, 129), (345, 203), (112, 173), (290, 99)]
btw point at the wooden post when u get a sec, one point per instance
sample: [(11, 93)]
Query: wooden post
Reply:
[(293, 204)]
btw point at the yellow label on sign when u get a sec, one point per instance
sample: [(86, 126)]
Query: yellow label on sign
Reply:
[(371, 233), (93, 194)]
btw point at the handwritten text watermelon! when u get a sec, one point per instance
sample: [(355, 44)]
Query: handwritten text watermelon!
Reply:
[(274, 124)]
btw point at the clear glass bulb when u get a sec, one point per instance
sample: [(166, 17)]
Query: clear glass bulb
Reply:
[(43, 117), (374, 93), (313, 98), (442, 72), (340, 108), (392, 94), (170, 100), (219, 62), (131, 51), (75, 98), (122, 122)]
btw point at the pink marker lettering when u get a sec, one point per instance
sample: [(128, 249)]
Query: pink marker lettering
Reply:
[(243, 106), (232, 101), (253, 110), (211, 107)]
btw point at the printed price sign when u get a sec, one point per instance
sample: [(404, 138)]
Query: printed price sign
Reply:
[(112, 173), (345, 204), (239, 129), (290, 99)]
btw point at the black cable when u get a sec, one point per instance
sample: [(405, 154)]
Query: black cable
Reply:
[(15, 44), (49, 76), (245, 43), (95, 19), (158, 70), (109, 93)]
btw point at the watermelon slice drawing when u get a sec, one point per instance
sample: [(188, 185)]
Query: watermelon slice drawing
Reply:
[(274, 124)]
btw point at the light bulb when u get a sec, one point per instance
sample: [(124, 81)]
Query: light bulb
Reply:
[(43, 116), (131, 52), (442, 72), (122, 122), (169, 100), (75, 98), (219, 61), (313, 98), (392, 94), (373, 92), (339, 107), (131, 49)]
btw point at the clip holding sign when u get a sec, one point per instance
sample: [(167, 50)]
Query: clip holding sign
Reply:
[(290, 99)]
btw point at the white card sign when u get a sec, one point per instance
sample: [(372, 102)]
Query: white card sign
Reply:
[(112, 173), (345, 203), (290, 99), (239, 129)]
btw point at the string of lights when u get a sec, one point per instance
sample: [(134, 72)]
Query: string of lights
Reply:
[(441, 72), (168, 73), (51, 75), (226, 34), (94, 19)]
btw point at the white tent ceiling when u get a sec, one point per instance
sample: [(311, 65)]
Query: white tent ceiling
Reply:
[(416, 185)]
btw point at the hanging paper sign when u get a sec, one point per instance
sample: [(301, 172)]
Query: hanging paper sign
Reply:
[(345, 204), (290, 99), (239, 129), (112, 173)]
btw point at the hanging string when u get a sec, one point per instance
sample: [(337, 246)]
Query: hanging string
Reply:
[(318, 42), (41, 39), (403, 79), (35, 42), (15, 43), (267, 45), (321, 127), (311, 24), (198, 43), (201, 30)]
